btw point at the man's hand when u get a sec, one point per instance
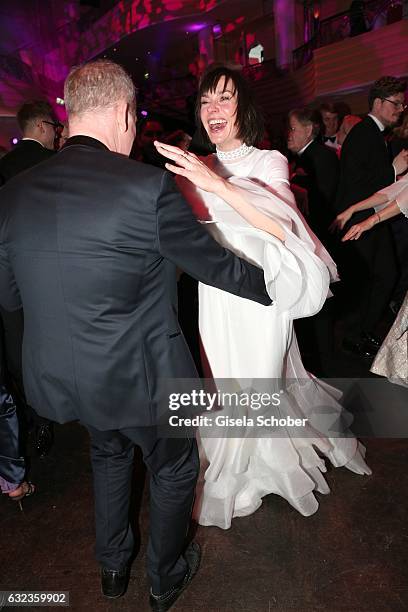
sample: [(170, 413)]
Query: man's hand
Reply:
[(400, 162)]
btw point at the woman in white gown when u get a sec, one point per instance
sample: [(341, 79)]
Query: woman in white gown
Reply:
[(392, 358), (243, 194)]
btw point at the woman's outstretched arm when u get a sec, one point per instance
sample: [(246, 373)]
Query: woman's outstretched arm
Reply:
[(192, 168), (236, 198), (375, 200), (359, 228)]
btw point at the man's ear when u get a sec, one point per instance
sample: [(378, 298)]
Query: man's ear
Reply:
[(309, 130), (122, 116), (130, 117), (376, 105)]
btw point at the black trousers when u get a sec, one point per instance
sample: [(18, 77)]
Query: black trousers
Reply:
[(11, 330), (316, 340), (173, 465), (368, 270)]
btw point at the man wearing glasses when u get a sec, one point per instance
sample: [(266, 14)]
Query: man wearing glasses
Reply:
[(369, 267), (38, 126)]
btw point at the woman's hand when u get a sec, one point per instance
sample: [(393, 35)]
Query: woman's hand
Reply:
[(189, 166), (341, 220), (193, 169), (356, 230)]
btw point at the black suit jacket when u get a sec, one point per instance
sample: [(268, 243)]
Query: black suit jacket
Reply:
[(91, 254), (321, 166), (26, 153), (365, 166)]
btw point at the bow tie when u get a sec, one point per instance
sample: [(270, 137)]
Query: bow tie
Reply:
[(329, 139)]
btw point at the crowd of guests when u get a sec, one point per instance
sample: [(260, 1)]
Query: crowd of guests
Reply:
[(354, 158), (347, 174), (336, 159)]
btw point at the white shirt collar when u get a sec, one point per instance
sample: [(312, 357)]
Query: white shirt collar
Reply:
[(35, 140), (305, 147), (377, 121)]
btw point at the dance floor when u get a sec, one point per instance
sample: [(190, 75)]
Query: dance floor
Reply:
[(350, 556)]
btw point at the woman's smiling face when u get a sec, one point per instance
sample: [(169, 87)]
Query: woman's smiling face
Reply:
[(218, 112)]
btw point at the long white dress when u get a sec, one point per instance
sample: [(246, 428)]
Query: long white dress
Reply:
[(392, 358), (244, 340)]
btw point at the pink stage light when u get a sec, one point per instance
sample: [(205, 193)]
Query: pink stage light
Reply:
[(217, 30), (195, 27)]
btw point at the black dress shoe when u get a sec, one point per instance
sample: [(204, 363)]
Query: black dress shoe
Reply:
[(359, 348), (114, 582), (44, 438), (161, 603)]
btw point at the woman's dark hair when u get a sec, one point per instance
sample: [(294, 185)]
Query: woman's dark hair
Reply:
[(249, 119)]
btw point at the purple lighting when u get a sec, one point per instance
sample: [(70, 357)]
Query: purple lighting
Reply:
[(14, 140), (196, 27), (144, 113), (217, 30)]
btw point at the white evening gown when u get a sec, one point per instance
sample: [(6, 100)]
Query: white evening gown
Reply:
[(245, 340), (392, 358)]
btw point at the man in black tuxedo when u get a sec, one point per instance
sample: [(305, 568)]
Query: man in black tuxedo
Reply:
[(317, 171), (331, 122), (37, 123), (368, 264), (90, 242), (316, 168)]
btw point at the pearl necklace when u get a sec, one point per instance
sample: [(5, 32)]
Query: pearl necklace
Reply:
[(235, 154)]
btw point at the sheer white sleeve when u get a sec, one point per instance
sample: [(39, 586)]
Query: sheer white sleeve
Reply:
[(297, 271), (396, 191), (402, 200)]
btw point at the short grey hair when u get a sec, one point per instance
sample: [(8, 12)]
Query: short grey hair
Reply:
[(96, 86), (308, 116)]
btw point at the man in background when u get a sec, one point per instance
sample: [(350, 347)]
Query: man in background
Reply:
[(38, 125), (150, 129), (316, 168), (368, 265), (331, 122)]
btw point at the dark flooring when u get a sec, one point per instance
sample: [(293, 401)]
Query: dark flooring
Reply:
[(351, 556)]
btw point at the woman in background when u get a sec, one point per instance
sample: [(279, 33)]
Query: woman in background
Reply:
[(12, 464), (392, 359)]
